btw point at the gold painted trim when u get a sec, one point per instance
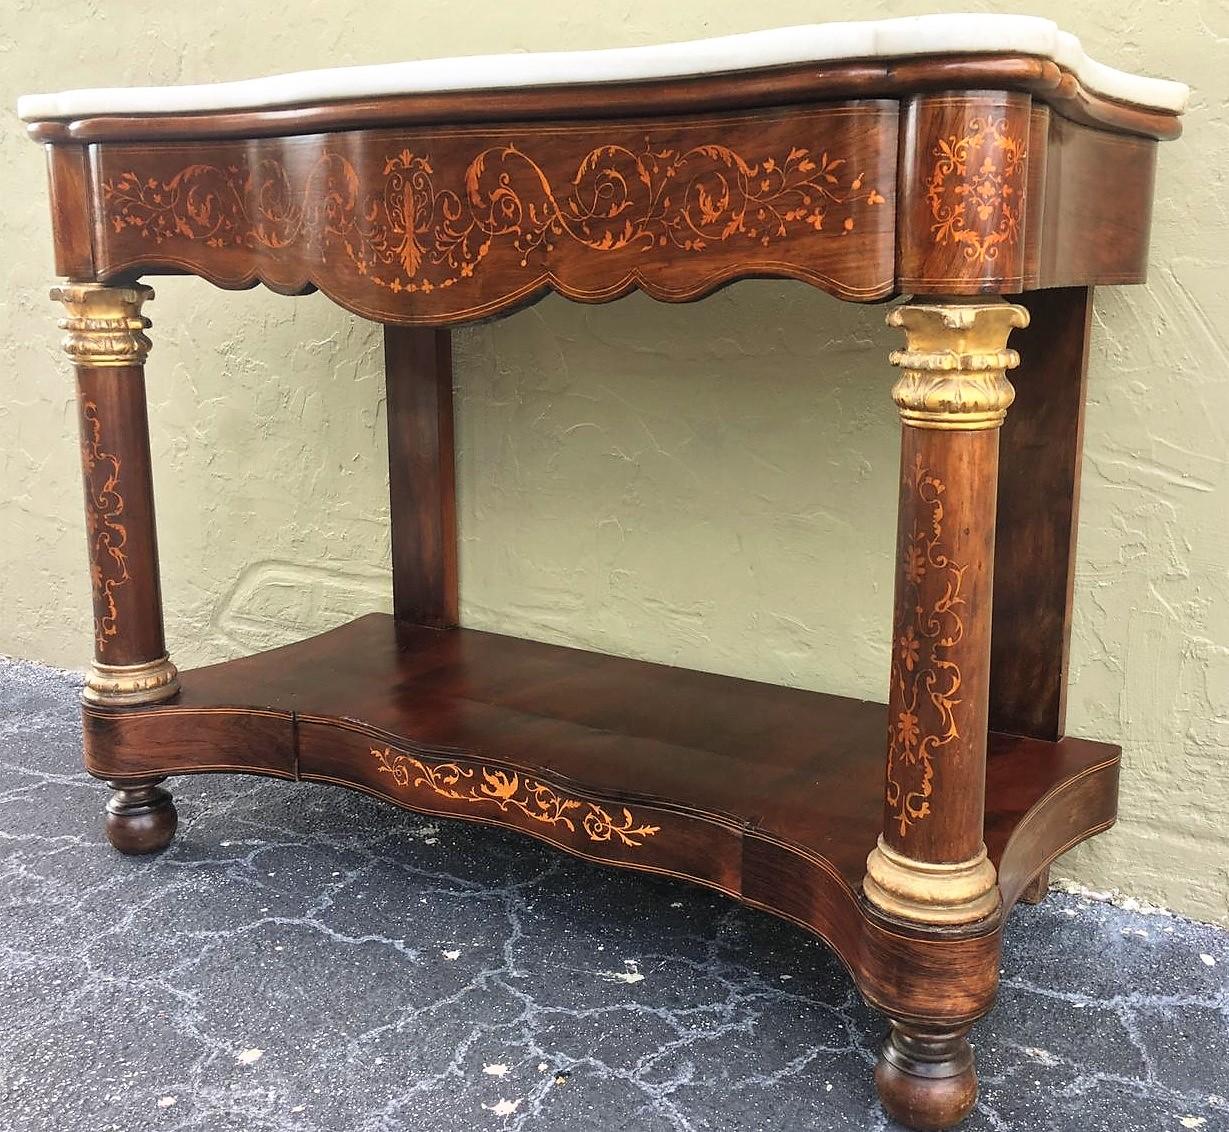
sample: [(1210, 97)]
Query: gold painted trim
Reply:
[(954, 367), (928, 892), (104, 325), (116, 685)]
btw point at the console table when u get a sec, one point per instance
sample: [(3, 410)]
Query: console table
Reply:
[(954, 159)]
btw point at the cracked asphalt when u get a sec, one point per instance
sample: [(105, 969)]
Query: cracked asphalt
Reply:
[(305, 958)]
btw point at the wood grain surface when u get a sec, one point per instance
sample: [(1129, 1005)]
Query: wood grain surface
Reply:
[(708, 761)]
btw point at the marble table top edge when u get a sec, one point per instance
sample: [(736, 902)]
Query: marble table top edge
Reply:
[(815, 43)]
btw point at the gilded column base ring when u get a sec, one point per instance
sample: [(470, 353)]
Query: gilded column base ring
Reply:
[(927, 892), (122, 685)]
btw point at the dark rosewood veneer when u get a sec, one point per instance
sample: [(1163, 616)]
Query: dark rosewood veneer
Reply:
[(729, 774), (996, 189)]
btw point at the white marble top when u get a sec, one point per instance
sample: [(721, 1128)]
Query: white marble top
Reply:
[(814, 43)]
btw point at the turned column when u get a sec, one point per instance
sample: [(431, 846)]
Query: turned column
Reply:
[(930, 869), (105, 338)]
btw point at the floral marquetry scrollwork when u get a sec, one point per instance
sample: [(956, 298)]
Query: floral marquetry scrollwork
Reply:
[(976, 187), (492, 214), (926, 676), (108, 536), (419, 231), (512, 792)]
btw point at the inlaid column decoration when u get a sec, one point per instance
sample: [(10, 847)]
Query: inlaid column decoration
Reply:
[(930, 865), (106, 340), (930, 868)]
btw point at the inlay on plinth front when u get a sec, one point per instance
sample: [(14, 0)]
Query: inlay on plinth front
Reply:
[(983, 165)]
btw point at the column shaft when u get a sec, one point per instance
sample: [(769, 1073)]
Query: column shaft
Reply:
[(930, 865), (106, 341)]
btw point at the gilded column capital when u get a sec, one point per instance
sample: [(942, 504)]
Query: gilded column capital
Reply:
[(955, 362), (104, 325)]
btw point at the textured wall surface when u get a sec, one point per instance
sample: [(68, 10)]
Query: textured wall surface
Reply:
[(709, 485)]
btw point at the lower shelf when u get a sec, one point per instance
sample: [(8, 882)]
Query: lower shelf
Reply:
[(770, 794)]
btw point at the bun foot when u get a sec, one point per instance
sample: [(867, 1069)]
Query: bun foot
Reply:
[(925, 1076), (141, 817)]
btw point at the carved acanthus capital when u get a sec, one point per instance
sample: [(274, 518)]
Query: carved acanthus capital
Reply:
[(104, 325), (954, 367)]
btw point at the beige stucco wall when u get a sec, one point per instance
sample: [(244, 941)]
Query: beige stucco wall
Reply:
[(709, 485)]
